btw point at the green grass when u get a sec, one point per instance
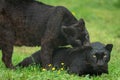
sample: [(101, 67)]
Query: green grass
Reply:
[(102, 19)]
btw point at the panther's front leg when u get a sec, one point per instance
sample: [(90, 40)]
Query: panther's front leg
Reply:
[(48, 43), (50, 37), (7, 51), (7, 48), (46, 54)]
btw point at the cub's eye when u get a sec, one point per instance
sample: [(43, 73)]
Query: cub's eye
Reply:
[(94, 56), (105, 56)]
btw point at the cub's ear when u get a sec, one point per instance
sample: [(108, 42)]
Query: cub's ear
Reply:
[(109, 47), (68, 31)]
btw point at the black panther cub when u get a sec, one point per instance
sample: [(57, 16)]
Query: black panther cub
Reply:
[(91, 60)]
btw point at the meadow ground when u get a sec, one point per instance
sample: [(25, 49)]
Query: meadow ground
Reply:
[(102, 19)]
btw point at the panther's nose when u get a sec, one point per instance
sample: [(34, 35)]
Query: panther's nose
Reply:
[(100, 63), (99, 66)]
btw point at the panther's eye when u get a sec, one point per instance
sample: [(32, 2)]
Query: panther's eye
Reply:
[(94, 56), (105, 56)]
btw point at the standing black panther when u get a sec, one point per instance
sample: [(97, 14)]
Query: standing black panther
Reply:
[(32, 23)]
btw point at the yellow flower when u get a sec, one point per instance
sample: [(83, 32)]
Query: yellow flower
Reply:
[(43, 69), (53, 68), (62, 63), (62, 69), (50, 65)]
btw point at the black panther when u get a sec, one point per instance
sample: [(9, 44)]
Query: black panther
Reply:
[(33, 23), (91, 60)]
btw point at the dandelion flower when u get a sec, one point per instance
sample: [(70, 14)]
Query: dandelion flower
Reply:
[(62, 63), (50, 65), (62, 69), (53, 68), (43, 69)]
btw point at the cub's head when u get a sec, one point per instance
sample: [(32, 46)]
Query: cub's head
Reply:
[(99, 56), (76, 34)]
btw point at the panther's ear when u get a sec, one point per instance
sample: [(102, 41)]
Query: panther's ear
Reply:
[(109, 47), (81, 24), (68, 31)]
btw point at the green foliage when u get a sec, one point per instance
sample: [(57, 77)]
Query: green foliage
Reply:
[(102, 21)]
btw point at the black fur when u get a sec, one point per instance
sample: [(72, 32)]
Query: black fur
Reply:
[(32, 23), (91, 60)]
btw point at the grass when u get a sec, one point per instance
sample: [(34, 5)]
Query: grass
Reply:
[(102, 19)]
